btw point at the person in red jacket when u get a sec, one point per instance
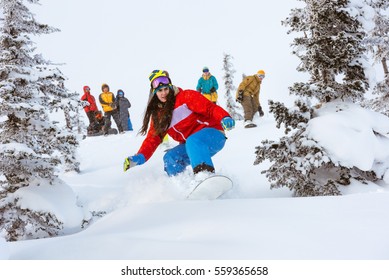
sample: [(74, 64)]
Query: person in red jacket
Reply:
[(187, 117), (88, 102)]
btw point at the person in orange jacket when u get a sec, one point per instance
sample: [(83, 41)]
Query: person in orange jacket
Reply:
[(248, 95), (88, 102)]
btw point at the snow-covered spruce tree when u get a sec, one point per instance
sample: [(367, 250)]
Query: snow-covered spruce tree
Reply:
[(232, 107), (331, 52), (377, 43), (58, 99), (31, 144)]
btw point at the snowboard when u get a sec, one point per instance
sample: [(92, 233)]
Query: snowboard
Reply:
[(211, 188), (250, 125), (110, 131)]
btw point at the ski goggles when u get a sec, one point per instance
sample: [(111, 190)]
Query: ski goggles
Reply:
[(160, 80), (261, 76)]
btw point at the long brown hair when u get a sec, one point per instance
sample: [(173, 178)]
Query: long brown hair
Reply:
[(161, 114)]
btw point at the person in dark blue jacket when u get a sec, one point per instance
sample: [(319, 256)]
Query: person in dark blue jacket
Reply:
[(124, 104)]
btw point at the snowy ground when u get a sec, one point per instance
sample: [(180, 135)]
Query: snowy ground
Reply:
[(146, 216)]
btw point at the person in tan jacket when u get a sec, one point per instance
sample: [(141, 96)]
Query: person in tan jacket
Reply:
[(110, 108), (248, 95)]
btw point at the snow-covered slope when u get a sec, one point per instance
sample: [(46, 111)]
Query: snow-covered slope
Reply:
[(145, 214)]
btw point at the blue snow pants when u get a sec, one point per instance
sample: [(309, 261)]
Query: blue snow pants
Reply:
[(198, 149)]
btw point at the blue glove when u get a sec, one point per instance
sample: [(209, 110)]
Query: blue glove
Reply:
[(228, 123), (133, 161)]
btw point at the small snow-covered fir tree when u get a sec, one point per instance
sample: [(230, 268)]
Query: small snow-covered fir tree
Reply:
[(331, 51), (32, 145), (377, 43), (232, 107), (58, 99)]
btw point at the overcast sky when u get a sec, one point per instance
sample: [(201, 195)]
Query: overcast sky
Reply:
[(120, 42)]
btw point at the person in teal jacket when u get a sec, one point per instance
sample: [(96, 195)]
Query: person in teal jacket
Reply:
[(208, 86)]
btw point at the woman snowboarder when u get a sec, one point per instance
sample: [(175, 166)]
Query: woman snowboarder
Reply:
[(188, 118)]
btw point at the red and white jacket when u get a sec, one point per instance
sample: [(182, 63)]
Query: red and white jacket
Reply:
[(91, 99), (192, 112)]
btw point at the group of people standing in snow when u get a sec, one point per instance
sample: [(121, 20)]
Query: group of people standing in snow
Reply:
[(190, 117), (115, 107)]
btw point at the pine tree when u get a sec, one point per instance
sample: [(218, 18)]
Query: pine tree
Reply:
[(377, 43), (32, 145), (378, 38), (331, 51), (228, 78), (58, 99)]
